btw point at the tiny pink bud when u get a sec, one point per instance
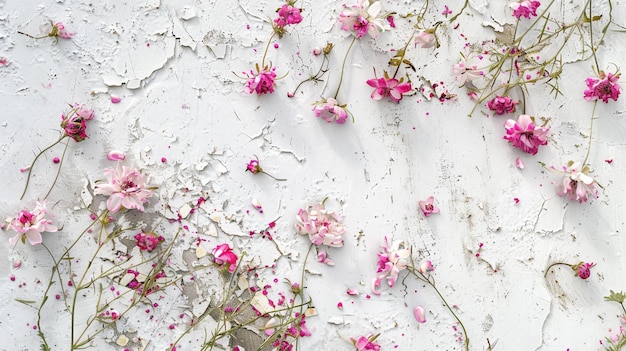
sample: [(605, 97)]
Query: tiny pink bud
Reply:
[(163, 159), (116, 155), (352, 292), (24, 169), (340, 305), (115, 99), (317, 51), (519, 164), (56, 160), (17, 263), (289, 94), (419, 314)]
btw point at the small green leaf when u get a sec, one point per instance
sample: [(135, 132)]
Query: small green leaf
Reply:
[(26, 302), (617, 297)]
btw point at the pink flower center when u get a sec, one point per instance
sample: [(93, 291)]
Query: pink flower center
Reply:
[(128, 184), (26, 217), (429, 207)]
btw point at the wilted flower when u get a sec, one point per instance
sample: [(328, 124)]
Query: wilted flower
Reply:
[(577, 184), (426, 266), (323, 226), (126, 188), (583, 270), (288, 14), (225, 257), (262, 82), (391, 261), (148, 241), (525, 135), (502, 104), (74, 123), (30, 224), (364, 343), (603, 89), (363, 18), (330, 111), (428, 206), (58, 30), (525, 8), (390, 87), (426, 39)]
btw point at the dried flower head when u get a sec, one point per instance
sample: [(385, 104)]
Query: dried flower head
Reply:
[(321, 225)]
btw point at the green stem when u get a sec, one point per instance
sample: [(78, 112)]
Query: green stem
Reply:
[(343, 67), (67, 143), (555, 264), (460, 12), (30, 169), (402, 57), (593, 113), (593, 49), (267, 47)]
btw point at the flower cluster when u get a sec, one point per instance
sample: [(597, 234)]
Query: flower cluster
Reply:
[(288, 14), (604, 88), (577, 184), (148, 241), (502, 105), (74, 123), (330, 110), (525, 135), (525, 8), (261, 82), (224, 257), (392, 259), (364, 18), (323, 226), (126, 188), (30, 224)]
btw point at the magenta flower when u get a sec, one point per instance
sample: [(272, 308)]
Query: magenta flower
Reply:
[(603, 89), (323, 226), (148, 241), (253, 167), (426, 39), (577, 184), (225, 257), (428, 206), (363, 18), (288, 14), (525, 135), (262, 82), (583, 270), (364, 343), (30, 224), (392, 259), (502, 104), (126, 188), (330, 111), (74, 124), (524, 8), (390, 87)]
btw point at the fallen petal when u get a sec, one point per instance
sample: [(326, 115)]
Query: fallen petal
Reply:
[(420, 314)]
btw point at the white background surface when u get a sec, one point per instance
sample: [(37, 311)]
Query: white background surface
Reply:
[(190, 108)]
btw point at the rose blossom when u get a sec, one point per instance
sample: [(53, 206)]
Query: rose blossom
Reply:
[(364, 343), (225, 257), (262, 82), (390, 87), (30, 225), (323, 226), (148, 241), (330, 111), (583, 270), (74, 124), (288, 14), (363, 18), (525, 135), (577, 184), (126, 188), (428, 206), (391, 261), (603, 89), (524, 8), (502, 104)]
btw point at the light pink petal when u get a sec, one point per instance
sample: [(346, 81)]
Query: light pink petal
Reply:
[(116, 155), (420, 314)]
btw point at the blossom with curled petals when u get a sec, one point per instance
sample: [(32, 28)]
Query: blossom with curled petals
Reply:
[(30, 224), (330, 110), (126, 188), (364, 18), (577, 184), (321, 225), (392, 259)]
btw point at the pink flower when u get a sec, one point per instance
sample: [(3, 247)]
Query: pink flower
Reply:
[(420, 314), (363, 18), (391, 261), (288, 14), (58, 30), (390, 87), (464, 75), (603, 89), (330, 111), (263, 82), (148, 241), (583, 270), (426, 39), (323, 226), (525, 135), (502, 104), (446, 11), (426, 266), (364, 343), (30, 225), (126, 188), (577, 184), (74, 124), (428, 206), (225, 257), (253, 167), (524, 8)]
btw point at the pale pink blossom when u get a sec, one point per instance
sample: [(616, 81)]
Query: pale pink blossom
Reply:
[(366, 343), (261, 82), (603, 89), (364, 18), (390, 87), (116, 155), (466, 74), (524, 8), (426, 39), (288, 14), (525, 135), (420, 314), (225, 257), (148, 241), (577, 184), (425, 267), (502, 105), (30, 224), (323, 226), (428, 206), (126, 188), (330, 110), (392, 259)]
